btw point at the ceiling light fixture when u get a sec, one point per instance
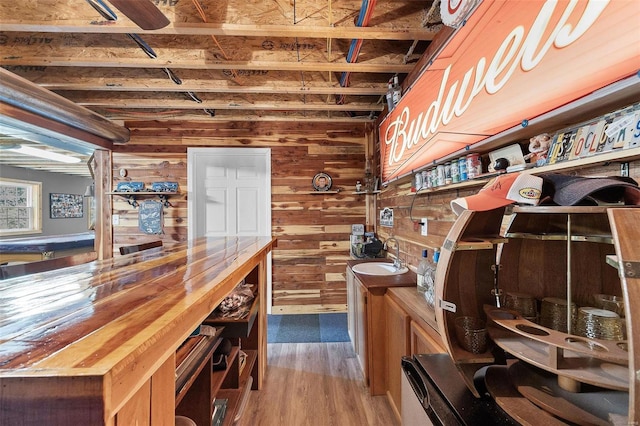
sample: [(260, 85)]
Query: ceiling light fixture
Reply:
[(41, 153)]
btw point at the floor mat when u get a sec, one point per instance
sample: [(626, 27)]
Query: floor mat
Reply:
[(307, 328)]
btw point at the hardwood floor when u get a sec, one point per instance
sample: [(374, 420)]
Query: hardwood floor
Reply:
[(315, 384)]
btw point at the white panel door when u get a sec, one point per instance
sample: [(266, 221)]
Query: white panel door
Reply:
[(230, 191), (229, 194)]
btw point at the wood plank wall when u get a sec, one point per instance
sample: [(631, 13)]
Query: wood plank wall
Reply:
[(435, 206), (312, 230)]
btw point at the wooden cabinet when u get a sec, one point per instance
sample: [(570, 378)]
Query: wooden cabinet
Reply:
[(397, 325), (368, 321), (409, 330), (422, 341)]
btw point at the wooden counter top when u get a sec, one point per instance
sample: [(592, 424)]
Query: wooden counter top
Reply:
[(383, 281), (110, 324), (415, 304)]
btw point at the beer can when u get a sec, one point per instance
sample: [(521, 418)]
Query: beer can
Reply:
[(426, 179), (474, 166), (441, 175), (462, 166), (434, 177), (417, 181), (447, 173), (455, 172)]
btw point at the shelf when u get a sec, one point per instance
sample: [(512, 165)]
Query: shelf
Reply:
[(234, 395), (191, 358), (566, 209), (607, 239), (366, 192), (219, 376), (617, 156), (598, 362), (322, 192), (480, 243), (471, 183), (143, 193), (132, 197), (237, 327)]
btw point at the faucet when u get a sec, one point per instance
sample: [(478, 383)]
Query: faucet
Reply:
[(397, 263)]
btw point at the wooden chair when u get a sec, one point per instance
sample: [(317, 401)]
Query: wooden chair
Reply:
[(18, 270), (140, 247)]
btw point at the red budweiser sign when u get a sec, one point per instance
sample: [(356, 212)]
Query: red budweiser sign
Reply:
[(513, 60)]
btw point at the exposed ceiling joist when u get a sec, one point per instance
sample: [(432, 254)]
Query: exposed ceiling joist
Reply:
[(209, 29)]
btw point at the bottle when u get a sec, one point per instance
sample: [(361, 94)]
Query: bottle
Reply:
[(422, 269), (394, 93), (397, 91), (429, 279), (390, 103)]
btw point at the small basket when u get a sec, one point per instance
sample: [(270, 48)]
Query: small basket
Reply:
[(471, 334), (553, 313), (523, 303)]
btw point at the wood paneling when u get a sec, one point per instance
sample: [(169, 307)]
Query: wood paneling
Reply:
[(312, 229)]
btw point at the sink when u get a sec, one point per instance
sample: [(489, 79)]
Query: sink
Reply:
[(378, 268)]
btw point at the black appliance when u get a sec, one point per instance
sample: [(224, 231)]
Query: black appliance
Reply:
[(443, 395), (372, 248)]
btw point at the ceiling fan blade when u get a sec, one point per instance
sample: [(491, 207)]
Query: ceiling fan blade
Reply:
[(144, 13)]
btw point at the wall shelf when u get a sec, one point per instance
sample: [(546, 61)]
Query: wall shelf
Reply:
[(366, 192), (617, 156), (322, 192), (132, 197)]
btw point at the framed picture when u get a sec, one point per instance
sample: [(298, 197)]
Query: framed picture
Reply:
[(65, 206), (321, 182), (386, 217)]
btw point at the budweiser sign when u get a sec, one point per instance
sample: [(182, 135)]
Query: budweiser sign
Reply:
[(513, 60)]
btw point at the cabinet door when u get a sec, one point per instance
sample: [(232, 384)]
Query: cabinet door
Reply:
[(361, 328), (351, 307), (397, 333), (423, 342)]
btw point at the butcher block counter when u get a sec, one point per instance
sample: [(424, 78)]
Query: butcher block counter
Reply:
[(95, 344)]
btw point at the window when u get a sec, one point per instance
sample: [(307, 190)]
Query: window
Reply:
[(20, 207)]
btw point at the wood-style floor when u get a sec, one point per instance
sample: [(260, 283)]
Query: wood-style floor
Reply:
[(315, 384)]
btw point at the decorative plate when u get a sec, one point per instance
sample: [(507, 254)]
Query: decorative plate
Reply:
[(321, 182)]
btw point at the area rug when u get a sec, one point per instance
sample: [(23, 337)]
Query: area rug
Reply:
[(307, 328)]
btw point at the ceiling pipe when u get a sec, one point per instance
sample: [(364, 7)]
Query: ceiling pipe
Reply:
[(366, 11), (25, 95)]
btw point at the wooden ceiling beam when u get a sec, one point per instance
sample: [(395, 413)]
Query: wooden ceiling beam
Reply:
[(222, 105), (215, 29), (215, 87), (208, 64)]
